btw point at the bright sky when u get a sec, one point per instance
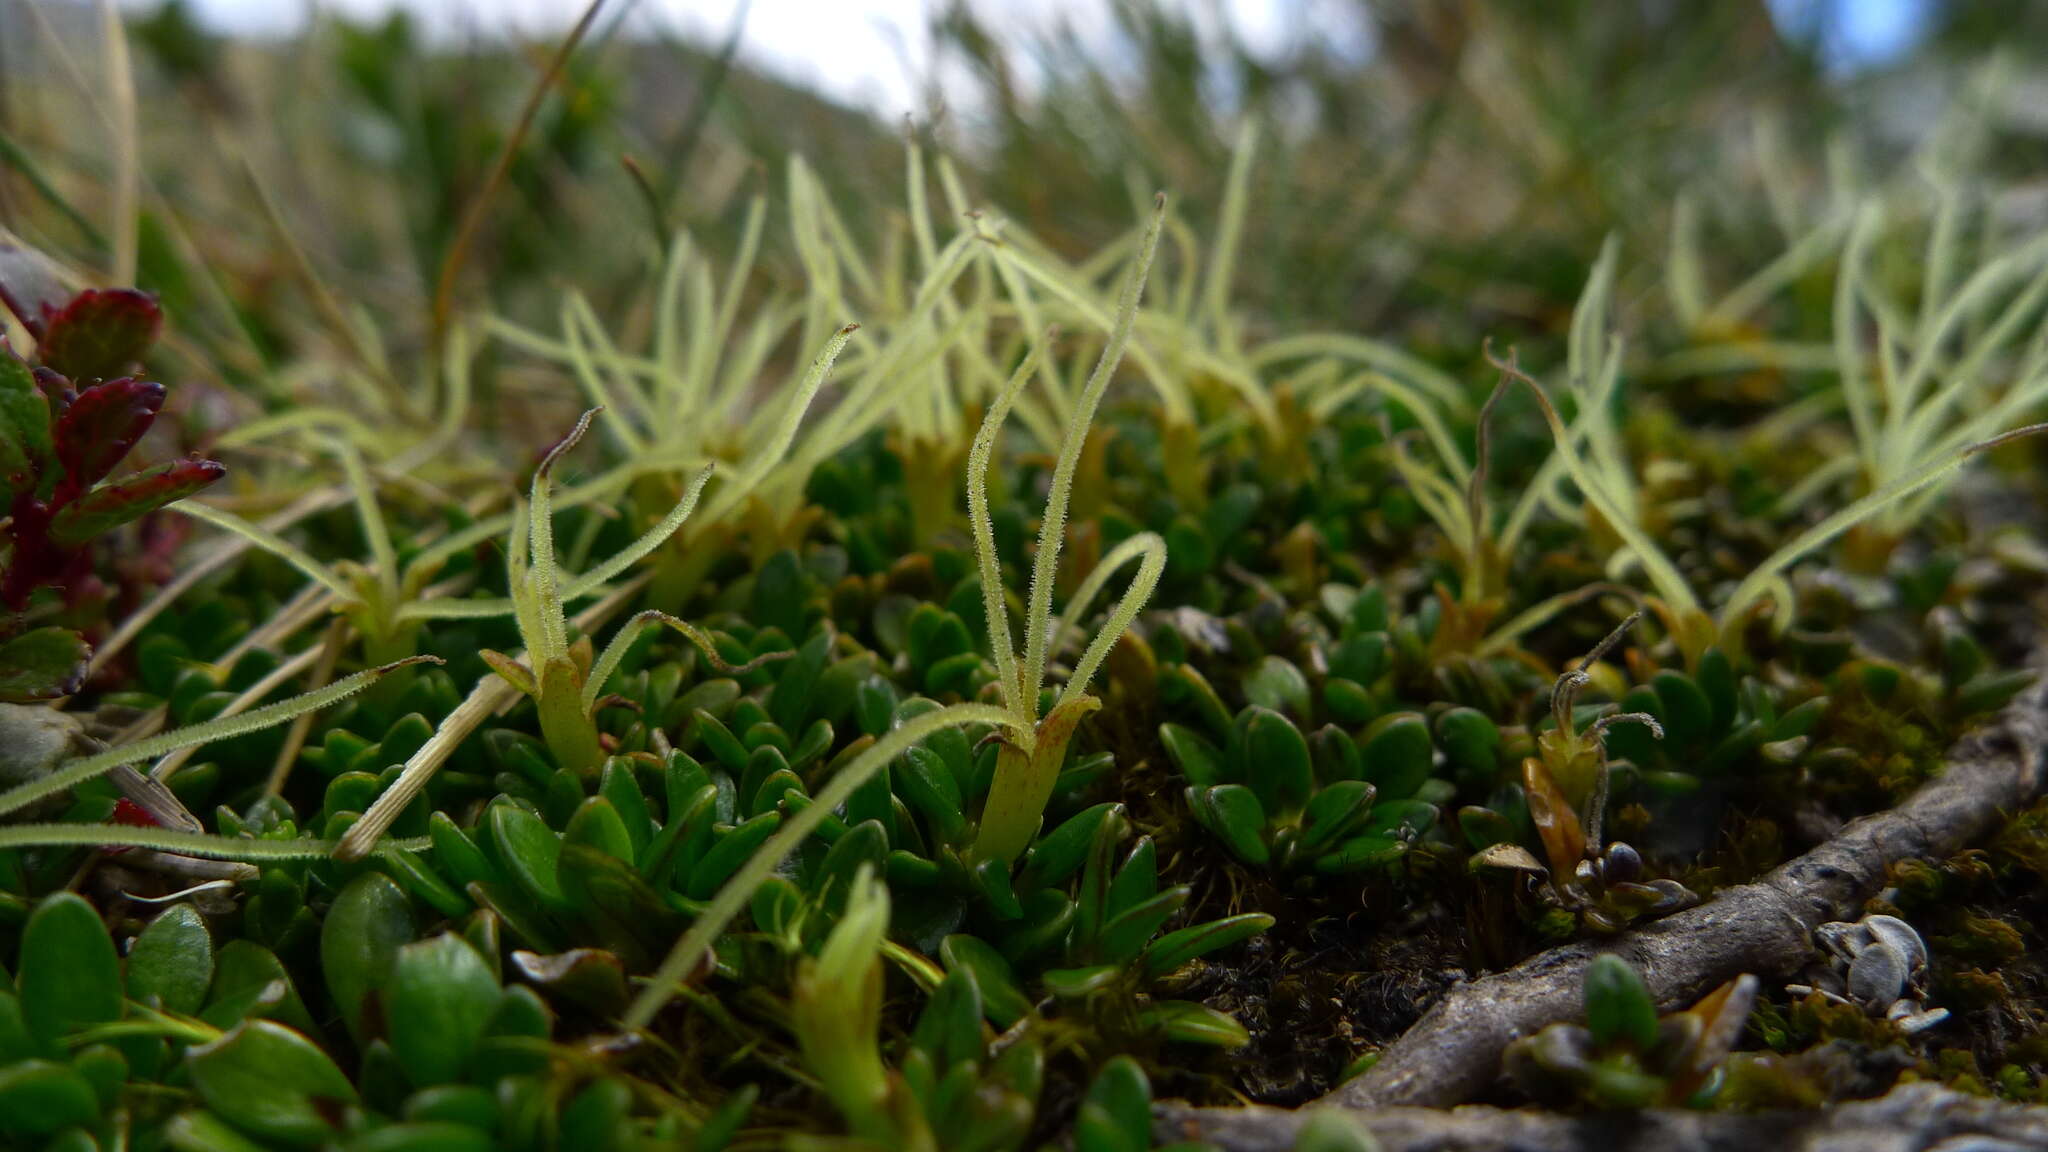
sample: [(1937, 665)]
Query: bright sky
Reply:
[(869, 52), (856, 50)]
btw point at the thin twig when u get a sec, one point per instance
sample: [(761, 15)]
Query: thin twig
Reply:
[(473, 218)]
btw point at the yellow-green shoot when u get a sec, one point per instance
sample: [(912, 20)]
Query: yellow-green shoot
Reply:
[(1033, 746)]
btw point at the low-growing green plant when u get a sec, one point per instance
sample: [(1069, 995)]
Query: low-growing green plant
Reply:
[(562, 679), (1684, 616), (1033, 748), (1625, 1056), (1566, 787), (1328, 803)]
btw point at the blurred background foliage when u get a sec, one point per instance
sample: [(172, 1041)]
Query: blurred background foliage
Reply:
[(1430, 172)]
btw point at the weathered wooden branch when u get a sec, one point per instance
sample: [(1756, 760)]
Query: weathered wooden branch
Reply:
[(1453, 1053), (1911, 1118), (1766, 928)]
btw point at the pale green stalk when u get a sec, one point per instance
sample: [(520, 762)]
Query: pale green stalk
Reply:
[(671, 383), (270, 542), (1229, 234), (610, 569), (1663, 574), (1076, 295), (541, 584), (371, 516), (587, 373), (608, 661), (1053, 527), (200, 844), (979, 460), (603, 357), (215, 558), (490, 694), (771, 454), (163, 769), (1746, 593), (1745, 298), (1685, 284), (78, 771), (1151, 550), (1372, 353)]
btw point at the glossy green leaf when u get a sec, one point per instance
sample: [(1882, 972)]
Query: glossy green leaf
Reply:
[(1471, 744), (249, 979), (25, 443), (992, 881), (1798, 721), (683, 838), (1361, 852), (727, 854), (1234, 812), (1061, 852), (1483, 827), (1117, 1112), (1192, 1023), (1687, 714), (422, 883), (1197, 759), (1361, 659), (271, 1082), (433, 1136), (528, 852), (38, 1097), (948, 1031), (1277, 684), (172, 960), (15, 1041), (457, 855), (621, 788), (1349, 702), (1333, 1130), (1127, 934), (69, 976), (1137, 878), (595, 1118), (596, 824), (924, 780), (1177, 948), (440, 997), (1618, 1007), (1335, 812), (1398, 754), (1276, 761), (1001, 996), (514, 1036), (1075, 983), (359, 941), (453, 1104)]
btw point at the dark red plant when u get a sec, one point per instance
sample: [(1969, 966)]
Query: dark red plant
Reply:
[(64, 425)]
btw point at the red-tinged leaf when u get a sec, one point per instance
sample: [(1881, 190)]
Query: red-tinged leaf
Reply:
[(43, 664), (101, 333), (99, 427), (111, 505), (24, 425)]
